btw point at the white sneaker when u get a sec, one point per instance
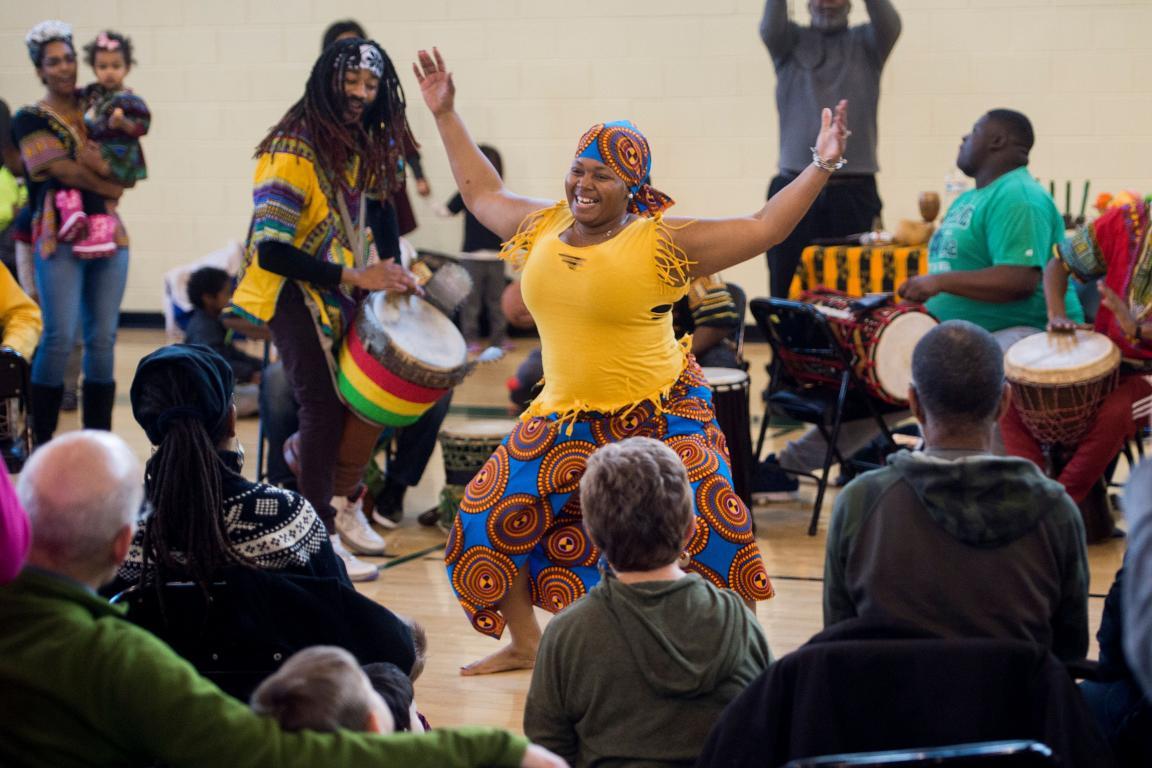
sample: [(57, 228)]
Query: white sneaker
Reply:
[(358, 570), (353, 528)]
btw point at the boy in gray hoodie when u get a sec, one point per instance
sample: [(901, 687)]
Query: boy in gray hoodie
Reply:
[(637, 671), (955, 540)]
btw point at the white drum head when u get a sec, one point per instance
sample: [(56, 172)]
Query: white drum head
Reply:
[(893, 353), (496, 429), (1060, 358), (724, 377), (418, 329)]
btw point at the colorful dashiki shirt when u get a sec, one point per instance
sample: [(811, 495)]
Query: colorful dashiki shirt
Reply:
[(120, 147)]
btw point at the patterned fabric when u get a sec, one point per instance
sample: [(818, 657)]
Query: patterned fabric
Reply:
[(43, 137), (273, 528), (858, 270), (1117, 248), (295, 203), (621, 147), (522, 509), (120, 147), (708, 303)]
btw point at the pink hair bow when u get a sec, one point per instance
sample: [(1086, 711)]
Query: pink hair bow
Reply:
[(107, 43)]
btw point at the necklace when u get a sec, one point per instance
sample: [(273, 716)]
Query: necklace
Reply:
[(603, 236)]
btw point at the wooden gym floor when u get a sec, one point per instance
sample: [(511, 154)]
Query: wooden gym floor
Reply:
[(412, 580)]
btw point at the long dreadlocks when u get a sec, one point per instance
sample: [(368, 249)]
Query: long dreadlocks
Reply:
[(378, 139)]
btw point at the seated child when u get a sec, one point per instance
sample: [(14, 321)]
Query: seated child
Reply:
[(210, 291), (395, 687), (115, 119), (637, 671), (322, 688)]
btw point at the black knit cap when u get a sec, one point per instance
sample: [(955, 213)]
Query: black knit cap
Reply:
[(209, 377)]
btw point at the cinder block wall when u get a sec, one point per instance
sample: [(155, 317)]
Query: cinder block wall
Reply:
[(532, 74)]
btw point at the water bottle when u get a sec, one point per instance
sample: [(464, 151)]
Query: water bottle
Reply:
[(955, 184)]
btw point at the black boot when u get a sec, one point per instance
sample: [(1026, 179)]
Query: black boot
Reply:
[(97, 401), (44, 407)]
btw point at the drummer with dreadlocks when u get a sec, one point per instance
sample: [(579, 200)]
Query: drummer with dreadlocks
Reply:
[(314, 251), (602, 270)]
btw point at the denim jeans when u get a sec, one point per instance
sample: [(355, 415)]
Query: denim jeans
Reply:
[(82, 294)]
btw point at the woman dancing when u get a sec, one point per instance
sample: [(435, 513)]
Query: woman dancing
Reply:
[(601, 271)]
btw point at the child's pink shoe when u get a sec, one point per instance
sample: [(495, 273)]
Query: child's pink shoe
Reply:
[(73, 220), (101, 239)]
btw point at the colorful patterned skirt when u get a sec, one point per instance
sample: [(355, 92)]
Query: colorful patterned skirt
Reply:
[(523, 507)]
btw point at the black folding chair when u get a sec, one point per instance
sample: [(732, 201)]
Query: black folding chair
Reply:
[(1017, 754), (15, 433), (813, 380)]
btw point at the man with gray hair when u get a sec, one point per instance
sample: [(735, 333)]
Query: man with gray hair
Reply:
[(84, 687), (955, 540)]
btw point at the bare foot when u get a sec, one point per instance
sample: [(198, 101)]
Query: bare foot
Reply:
[(506, 659)]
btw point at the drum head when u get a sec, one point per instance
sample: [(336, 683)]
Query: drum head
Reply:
[(418, 329), (893, 354), (1060, 358), (495, 429), (724, 377)]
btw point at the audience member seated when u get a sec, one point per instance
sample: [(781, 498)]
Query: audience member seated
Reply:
[(1122, 711), (210, 291), (636, 671), (864, 685), (84, 687), (955, 540), (395, 688), (205, 514), (209, 525), (1136, 592), (323, 689), (15, 537), (20, 321)]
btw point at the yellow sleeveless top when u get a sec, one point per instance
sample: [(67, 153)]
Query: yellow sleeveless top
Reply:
[(604, 313)]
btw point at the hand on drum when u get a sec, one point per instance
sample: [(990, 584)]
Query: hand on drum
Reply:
[(1061, 325), (920, 288), (436, 84), (1119, 307), (387, 276)]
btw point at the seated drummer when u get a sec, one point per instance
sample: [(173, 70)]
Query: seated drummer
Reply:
[(984, 262), (984, 266), (1114, 251), (710, 313)]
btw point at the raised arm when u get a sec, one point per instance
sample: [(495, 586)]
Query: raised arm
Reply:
[(777, 32), (713, 245), (885, 26), (484, 193)]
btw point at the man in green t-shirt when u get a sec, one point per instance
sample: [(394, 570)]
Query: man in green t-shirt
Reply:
[(985, 261)]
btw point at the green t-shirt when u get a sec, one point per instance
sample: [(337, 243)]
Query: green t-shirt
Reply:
[(1010, 222)]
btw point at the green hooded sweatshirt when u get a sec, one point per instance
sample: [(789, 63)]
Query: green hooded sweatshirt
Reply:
[(636, 674), (963, 544)]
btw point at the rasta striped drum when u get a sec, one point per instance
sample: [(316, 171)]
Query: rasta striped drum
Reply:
[(399, 357)]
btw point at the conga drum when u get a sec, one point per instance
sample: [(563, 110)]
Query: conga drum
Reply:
[(465, 448), (1058, 381), (730, 402), (879, 340), (398, 358)]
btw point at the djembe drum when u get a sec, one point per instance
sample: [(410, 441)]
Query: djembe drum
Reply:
[(730, 402), (1058, 381), (399, 357), (465, 448), (880, 341)]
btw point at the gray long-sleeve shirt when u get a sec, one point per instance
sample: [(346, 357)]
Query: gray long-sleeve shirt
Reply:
[(816, 69)]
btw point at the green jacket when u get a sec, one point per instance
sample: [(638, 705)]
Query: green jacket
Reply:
[(962, 544), (81, 686), (635, 675)]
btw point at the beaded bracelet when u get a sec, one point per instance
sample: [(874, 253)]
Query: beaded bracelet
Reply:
[(825, 165)]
